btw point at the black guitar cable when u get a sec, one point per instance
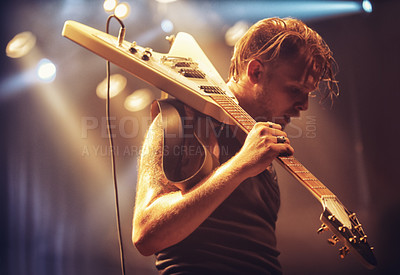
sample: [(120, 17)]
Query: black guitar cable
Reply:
[(113, 167)]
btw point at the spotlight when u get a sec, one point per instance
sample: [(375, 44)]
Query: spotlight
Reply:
[(109, 5), (367, 6), (21, 45), (138, 100), (122, 10), (46, 70), (167, 26), (255, 10), (117, 85)]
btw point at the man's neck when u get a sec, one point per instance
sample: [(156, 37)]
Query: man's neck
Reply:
[(242, 90)]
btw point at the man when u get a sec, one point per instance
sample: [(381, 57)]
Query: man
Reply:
[(224, 222)]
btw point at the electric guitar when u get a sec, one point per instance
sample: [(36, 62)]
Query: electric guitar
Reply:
[(188, 75)]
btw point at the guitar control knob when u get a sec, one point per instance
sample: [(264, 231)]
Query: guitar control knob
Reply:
[(147, 54), (132, 48), (343, 251)]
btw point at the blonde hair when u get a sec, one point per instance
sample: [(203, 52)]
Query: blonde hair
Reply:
[(274, 39)]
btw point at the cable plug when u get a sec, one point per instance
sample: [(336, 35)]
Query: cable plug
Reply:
[(121, 36)]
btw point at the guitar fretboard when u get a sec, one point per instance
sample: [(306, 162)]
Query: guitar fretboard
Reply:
[(290, 163), (240, 115)]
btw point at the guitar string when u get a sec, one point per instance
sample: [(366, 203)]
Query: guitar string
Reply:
[(339, 211), (232, 104)]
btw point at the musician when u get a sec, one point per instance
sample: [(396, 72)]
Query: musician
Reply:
[(223, 222)]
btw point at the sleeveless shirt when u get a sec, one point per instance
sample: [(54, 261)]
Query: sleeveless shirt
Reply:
[(239, 236)]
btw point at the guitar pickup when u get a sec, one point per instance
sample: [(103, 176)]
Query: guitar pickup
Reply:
[(192, 73), (212, 89)]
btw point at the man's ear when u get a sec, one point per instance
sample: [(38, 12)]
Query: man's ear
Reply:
[(255, 70)]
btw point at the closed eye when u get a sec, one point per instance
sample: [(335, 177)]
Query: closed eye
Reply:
[(296, 91)]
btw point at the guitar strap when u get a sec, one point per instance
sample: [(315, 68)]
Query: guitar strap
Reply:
[(172, 111)]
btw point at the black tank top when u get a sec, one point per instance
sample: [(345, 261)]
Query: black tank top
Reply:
[(239, 236)]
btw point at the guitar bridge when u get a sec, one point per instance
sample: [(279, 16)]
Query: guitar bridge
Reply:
[(185, 64), (178, 62)]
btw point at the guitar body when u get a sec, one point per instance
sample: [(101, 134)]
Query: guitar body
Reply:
[(188, 75), (167, 72)]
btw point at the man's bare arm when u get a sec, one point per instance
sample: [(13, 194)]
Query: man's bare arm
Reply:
[(164, 215)]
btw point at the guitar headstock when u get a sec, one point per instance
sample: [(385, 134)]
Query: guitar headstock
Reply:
[(346, 229)]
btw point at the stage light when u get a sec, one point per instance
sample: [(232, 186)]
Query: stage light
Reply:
[(167, 26), (138, 100), (254, 10), (109, 5), (367, 6), (234, 33), (117, 85), (46, 70), (122, 10), (21, 45)]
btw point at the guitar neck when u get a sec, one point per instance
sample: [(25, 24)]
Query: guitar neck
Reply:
[(291, 164)]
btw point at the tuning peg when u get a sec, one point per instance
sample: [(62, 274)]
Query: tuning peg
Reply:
[(342, 228), (353, 239), (334, 240), (363, 239), (343, 251), (322, 228), (331, 218)]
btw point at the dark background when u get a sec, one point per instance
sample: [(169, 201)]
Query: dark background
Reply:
[(56, 196)]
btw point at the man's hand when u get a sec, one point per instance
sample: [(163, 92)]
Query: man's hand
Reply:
[(263, 144)]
